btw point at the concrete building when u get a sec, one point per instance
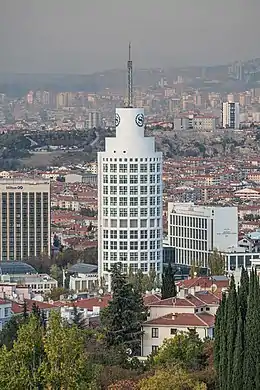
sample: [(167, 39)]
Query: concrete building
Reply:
[(5, 312), (130, 198), (230, 115), (83, 277), (194, 231), (25, 218)]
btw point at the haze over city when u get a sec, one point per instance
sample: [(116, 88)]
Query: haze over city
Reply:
[(83, 36)]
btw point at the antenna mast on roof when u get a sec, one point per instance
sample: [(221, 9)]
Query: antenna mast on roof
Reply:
[(130, 78)]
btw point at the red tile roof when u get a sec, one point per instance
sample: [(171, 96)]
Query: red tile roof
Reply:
[(18, 308), (89, 303), (184, 320), (151, 298), (189, 301), (203, 282)]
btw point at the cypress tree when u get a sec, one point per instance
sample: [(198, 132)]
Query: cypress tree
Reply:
[(252, 330), (218, 327), (168, 289), (238, 356), (222, 370), (243, 293), (232, 317)]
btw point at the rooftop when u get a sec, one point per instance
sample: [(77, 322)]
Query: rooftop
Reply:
[(16, 268)]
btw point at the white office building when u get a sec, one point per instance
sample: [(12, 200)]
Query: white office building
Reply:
[(230, 115), (194, 231), (130, 198)]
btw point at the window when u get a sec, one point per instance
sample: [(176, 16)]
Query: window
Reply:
[(105, 190), (144, 256), (113, 212), (143, 223), (152, 233), (152, 201), (105, 212), (105, 267), (113, 179), (113, 223), (133, 190), (152, 212), (143, 190), (133, 223), (143, 234), (123, 223), (123, 212), (133, 245), (122, 190), (152, 190), (113, 234), (113, 245), (123, 234), (173, 331), (152, 179), (133, 256), (123, 179), (133, 201), (133, 212), (105, 233), (143, 245), (152, 244), (105, 201), (105, 167), (105, 256), (144, 267), (133, 179), (158, 167), (105, 179), (122, 256), (133, 168), (155, 349), (133, 234), (143, 201), (143, 179), (143, 212), (152, 167), (105, 245), (113, 201), (143, 167), (158, 179), (113, 256), (113, 190), (122, 168), (113, 168), (155, 333), (122, 201), (123, 245)]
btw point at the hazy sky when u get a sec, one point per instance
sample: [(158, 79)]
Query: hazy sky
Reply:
[(82, 36)]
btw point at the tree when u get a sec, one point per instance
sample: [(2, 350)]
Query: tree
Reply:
[(220, 317), (56, 273), (184, 348), (252, 332), (9, 332), (20, 368), (238, 359), (122, 318), (216, 263), (56, 241), (232, 316), (171, 379), (66, 365), (168, 283), (78, 318)]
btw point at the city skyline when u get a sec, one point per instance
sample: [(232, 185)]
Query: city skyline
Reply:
[(61, 37)]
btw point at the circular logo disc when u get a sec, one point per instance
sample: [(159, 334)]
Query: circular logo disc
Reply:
[(117, 120), (139, 120)]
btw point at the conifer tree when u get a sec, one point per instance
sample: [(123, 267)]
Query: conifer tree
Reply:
[(218, 328), (222, 371), (243, 293), (232, 316), (168, 289), (238, 356), (252, 330), (122, 319)]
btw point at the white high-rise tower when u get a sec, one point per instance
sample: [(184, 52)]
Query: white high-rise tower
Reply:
[(130, 196)]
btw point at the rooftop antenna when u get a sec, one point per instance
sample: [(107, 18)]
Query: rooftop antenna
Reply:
[(130, 78)]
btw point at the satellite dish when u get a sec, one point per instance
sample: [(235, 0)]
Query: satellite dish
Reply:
[(101, 291), (214, 288)]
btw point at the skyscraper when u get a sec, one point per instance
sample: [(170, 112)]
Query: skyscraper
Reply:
[(24, 219), (230, 115), (130, 196)]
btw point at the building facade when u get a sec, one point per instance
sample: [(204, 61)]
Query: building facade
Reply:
[(24, 219), (195, 231), (230, 115), (94, 119), (130, 198)]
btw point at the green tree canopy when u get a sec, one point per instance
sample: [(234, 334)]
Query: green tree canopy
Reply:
[(216, 263)]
